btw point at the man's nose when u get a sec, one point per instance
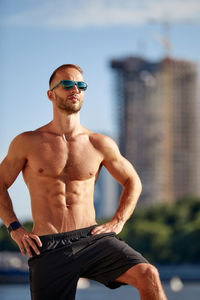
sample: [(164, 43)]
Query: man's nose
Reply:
[(75, 88)]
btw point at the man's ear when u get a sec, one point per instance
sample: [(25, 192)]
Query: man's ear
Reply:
[(50, 95)]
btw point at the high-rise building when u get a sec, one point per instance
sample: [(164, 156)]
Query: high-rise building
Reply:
[(105, 195), (158, 125)]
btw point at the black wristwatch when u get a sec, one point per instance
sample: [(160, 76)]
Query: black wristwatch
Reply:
[(13, 226)]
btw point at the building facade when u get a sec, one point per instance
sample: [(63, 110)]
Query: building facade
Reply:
[(158, 125), (105, 195)]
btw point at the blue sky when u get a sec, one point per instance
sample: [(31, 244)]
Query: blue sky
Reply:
[(39, 35)]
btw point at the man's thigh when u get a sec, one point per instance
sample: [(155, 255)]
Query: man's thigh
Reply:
[(53, 275), (107, 258)]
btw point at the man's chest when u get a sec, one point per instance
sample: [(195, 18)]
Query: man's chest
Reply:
[(76, 160)]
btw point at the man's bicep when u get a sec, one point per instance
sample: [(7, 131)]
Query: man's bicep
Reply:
[(117, 165), (12, 164), (9, 172), (121, 169)]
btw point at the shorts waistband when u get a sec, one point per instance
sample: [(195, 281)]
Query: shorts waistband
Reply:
[(74, 234)]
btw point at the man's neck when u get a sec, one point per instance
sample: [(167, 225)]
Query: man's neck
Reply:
[(66, 125)]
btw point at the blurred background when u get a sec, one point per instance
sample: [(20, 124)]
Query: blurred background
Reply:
[(141, 60)]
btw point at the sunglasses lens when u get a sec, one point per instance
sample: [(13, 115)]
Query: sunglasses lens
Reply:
[(82, 85), (68, 84)]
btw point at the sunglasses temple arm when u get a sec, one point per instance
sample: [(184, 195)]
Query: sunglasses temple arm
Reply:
[(55, 86)]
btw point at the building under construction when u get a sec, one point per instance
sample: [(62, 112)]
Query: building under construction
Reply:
[(158, 125)]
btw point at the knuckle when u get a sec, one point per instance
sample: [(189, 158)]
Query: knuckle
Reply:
[(33, 236)]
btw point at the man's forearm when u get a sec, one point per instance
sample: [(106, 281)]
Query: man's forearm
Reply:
[(6, 208), (128, 200), (24, 239)]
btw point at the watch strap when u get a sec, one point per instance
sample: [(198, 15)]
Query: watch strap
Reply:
[(14, 226)]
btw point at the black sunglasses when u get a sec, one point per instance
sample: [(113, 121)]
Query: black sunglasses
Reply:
[(69, 84)]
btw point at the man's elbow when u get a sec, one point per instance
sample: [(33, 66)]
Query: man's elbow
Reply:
[(134, 183), (140, 185), (3, 186)]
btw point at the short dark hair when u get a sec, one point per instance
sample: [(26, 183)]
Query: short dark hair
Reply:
[(63, 67)]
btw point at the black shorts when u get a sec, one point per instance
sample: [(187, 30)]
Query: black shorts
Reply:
[(65, 257)]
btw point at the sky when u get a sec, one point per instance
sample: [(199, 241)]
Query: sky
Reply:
[(37, 36)]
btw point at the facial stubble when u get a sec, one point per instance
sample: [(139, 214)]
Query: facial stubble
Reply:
[(68, 106)]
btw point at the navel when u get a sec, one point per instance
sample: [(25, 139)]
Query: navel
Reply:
[(40, 170)]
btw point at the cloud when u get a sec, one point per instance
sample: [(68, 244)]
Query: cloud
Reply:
[(63, 14)]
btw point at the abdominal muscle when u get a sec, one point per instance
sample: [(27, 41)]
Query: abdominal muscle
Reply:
[(59, 206)]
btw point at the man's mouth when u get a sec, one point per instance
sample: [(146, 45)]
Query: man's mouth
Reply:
[(73, 98)]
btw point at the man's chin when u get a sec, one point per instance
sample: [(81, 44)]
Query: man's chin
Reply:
[(69, 110)]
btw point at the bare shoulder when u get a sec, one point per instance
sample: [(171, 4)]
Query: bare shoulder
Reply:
[(23, 138), (22, 142), (20, 139), (106, 145), (28, 136)]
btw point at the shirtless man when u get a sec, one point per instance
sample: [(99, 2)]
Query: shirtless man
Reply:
[(60, 163)]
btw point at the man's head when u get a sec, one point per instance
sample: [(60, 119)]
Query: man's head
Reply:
[(61, 68), (68, 100)]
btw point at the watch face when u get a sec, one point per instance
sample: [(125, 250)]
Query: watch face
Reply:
[(15, 225)]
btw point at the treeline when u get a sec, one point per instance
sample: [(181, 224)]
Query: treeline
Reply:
[(166, 233), (163, 234)]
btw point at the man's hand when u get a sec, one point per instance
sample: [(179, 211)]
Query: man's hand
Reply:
[(24, 240), (112, 226)]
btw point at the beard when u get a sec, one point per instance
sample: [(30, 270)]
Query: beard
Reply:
[(68, 106)]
